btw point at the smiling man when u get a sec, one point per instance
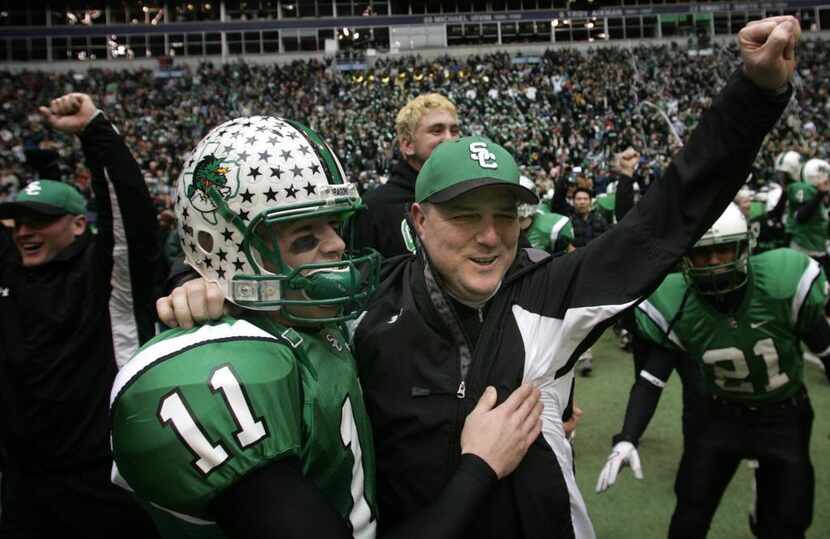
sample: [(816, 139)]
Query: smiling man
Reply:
[(74, 306), (421, 125), (469, 310), (48, 217)]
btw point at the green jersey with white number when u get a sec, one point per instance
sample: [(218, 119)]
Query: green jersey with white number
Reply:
[(755, 354), (812, 235), (550, 232), (196, 410)]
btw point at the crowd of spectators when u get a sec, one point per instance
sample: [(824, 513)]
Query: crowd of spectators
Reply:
[(565, 109)]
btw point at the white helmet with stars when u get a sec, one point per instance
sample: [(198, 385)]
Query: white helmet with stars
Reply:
[(257, 171)]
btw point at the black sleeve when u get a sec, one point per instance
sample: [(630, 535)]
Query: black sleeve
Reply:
[(455, 507), (559, 204), (277, 501), (632, 258), (645, 393), (818, 341), (127, 246), (624, 197), (806, 210)]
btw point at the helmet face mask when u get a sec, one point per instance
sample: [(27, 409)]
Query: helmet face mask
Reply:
[(730, 231), (251, 173)]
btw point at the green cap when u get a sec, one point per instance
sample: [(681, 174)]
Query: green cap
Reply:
[(46, 197), (458, 166)]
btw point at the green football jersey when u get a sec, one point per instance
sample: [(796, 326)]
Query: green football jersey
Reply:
[(605, 204), (811, 237), (551, 232), (196, 410), (755, 354)]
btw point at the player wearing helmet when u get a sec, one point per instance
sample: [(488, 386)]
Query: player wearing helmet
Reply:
[(742, 321), (544, 230), (255, 425), (808, 205)]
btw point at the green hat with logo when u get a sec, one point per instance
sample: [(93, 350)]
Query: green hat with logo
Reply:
[(46, 197), (458, 166)]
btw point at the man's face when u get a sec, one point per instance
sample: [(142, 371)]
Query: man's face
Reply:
[(39, 238), (582, 202), (306, 241), (435, 127), (713, 255), (471, 240)]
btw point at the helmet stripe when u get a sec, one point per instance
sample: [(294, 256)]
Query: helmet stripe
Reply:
[(335, 173)]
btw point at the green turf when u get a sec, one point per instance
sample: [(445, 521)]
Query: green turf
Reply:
[(642, 509)]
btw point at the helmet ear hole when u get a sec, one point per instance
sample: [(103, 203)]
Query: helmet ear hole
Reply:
[(205, 241)]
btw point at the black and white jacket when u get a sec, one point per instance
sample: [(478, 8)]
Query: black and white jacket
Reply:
[(421, 374), (68, 325)]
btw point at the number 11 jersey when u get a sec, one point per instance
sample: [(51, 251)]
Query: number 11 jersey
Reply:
[(195, 410)]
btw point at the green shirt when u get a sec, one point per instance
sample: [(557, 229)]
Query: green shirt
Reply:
[(753, 355), (551, 232), (196, 410), (812, 235)]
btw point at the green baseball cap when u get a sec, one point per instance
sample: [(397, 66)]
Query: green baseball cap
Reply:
[(46, 197), (461, 165)]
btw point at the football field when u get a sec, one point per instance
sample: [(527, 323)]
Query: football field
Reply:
[(643, 509)]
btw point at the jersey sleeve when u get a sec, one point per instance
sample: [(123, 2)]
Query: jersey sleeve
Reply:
[(565, 237), (191, 423), (810, 298), (653, 325)]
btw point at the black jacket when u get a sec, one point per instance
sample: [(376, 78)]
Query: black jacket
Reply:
[(381, 225), (67, 322), (422, 375), (588, 229)]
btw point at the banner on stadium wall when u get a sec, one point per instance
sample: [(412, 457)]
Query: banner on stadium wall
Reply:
[(403, 20)]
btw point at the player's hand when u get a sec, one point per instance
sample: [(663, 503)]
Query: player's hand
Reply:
[(768, 50), (194, 301), (500, 435), (622, 454), (69, 113), (570, 424), (626, 162)]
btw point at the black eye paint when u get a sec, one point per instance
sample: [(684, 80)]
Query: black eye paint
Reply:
[(304, 244)]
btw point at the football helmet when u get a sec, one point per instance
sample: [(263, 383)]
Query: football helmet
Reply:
[(253, 172), (527, 210), (815, 171), (788, 163), (730, 228)]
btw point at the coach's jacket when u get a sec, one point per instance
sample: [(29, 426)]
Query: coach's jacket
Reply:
[(68, 324), (421, 374)]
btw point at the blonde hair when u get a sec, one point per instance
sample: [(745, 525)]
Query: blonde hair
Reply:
[(406, 122)]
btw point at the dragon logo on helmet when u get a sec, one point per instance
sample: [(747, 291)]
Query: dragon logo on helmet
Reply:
[(210, 172)]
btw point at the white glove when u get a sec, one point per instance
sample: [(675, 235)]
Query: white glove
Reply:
[(622, 454)]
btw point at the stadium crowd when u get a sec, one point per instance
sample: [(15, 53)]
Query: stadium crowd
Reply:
[(572, 109), (581, 118)]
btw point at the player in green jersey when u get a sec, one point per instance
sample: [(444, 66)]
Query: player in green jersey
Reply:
[(255, 425), (741, 322), (807, 218), (544, 230)]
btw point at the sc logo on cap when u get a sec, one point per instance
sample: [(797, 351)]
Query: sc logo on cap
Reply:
[(480, 153), (33, 189)]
